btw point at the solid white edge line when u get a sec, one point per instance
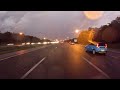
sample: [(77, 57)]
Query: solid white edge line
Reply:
[(26, 74), (9, 57), (98, 69)]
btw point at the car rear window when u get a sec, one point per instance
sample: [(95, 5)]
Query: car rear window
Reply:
[(101, 44)]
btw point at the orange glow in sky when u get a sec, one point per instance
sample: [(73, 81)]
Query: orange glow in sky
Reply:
[(93, 15)]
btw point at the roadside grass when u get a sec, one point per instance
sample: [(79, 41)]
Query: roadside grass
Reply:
[(4, 50)]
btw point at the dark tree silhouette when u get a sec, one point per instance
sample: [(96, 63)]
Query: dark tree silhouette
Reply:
[(15, 38)]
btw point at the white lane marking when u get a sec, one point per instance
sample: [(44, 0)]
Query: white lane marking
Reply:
[(96, 68), (19, 54), (10, 57), (26, 74)]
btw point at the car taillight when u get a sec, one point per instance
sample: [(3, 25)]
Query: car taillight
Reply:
[(106, 45), (98, 45)]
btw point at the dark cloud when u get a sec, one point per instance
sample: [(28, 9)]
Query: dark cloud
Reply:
[(52, 24)]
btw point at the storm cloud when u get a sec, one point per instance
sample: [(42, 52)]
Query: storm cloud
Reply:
[(50, 24)]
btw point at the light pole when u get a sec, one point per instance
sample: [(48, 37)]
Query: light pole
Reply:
[(77, 31), (21, 36), (20, 33), (44, 38)]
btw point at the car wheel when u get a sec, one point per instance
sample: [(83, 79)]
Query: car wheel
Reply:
[(93, 52)]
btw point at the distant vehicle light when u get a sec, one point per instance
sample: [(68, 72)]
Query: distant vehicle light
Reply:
[(52, 42), (23, 43), (38, 43), (28, 43), (48, 42), (55, 42), (45, 43), (32, 43), (10, 44)]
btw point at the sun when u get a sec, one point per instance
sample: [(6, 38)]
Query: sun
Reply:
[(93, 15)]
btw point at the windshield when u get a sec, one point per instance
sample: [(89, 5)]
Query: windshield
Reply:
[(59, 44), (101, 44)]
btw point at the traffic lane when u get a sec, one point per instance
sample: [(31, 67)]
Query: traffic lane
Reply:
[(106, 63), (82, 68), (15, 67), (115, 55), (64, 63), (78, 49), (49, 68)]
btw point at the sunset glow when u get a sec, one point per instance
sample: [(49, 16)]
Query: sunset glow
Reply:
[(93, 15)]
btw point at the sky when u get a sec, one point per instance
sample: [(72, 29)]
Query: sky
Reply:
[(51, 24)]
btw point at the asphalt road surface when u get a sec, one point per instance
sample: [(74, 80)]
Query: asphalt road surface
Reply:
[(61, 61)]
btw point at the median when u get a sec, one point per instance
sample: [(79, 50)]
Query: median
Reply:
[(8, 49)]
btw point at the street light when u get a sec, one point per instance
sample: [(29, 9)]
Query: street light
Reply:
[(20, 33), (44, 38), (76, 31), (21, 37)]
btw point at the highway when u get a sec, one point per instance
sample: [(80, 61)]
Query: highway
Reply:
[(60, 61)]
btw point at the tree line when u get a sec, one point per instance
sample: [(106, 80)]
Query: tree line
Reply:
[(109, 33), (16, 38)]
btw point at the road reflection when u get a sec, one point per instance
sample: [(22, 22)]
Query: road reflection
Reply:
[(75, 64)]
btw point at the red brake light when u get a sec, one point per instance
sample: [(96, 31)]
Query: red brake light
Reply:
[(97, 45), (106, 45)]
